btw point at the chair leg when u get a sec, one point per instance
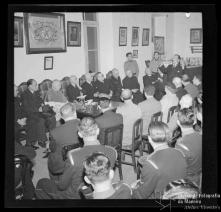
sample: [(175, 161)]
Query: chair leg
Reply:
[(120, 166), (134, 160), (138, 171)]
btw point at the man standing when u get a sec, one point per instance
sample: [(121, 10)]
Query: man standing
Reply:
[(131, 64)]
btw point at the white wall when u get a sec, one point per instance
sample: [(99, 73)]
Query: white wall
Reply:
[(65, 63)]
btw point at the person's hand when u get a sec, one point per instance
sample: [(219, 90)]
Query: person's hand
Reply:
[(40, 109), (135, 184), (21, 122), (96, 94), (134, 90)]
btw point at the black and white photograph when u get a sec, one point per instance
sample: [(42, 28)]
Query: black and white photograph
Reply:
[(111, 102)]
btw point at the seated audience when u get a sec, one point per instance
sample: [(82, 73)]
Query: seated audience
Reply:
[(68, 184), (197, 81), (63, 135), (99, 174), (181, 189), (101, 87), (87, 87), (131, 64), (168, 100), (54, 94), (149, 107), (130, 82), (36, 123), (115, 86), (130, 113), (189, 87), (162, 166), (150, 78), (20, 119), (108, 119), (190, 144), (73, 89), (176, 69), (180, 91)]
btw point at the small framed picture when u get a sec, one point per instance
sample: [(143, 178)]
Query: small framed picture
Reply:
[(73, 33), (135, 36), (135, 53), (145, 37), (195, 35), (159, 44), (122, 36), (18, 31), (48, 63)]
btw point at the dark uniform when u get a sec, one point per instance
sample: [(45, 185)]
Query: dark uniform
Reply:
[(101, 87), (116, 87), (72, 92), (88, 90)]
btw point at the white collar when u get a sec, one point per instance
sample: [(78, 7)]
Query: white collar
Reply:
[(187, 131), (70, 118)]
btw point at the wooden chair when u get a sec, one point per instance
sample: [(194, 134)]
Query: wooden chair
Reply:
[(136, 144), (157, 117), (64, 84), (171, 112), (113, 137)]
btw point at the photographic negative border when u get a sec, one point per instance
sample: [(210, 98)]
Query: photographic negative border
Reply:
[(20, 42)]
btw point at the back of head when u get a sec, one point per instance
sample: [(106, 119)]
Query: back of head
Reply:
[(29, 82), (126, 94), (109, 75), (129, 54), (181, 189), (149, 90), (56, 85), (88, 127), (177, 82), (159, 132), (97, 167), (186, 117), (104, 102), (186, 101), (185, 78), (67, 110)]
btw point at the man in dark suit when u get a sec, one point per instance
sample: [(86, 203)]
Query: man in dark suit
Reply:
[(61, 136), (108, 119), (32, 107), (165, 164), (71, 179), (180, 91), (73, 89), (88, 88)]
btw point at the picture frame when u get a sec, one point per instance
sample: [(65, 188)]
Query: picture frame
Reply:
[(73, 33), (48, 62), (135, 53), (159, 44), (18, 32), (135, 36), (44, 33), (122, 36), (195, 35), (145, 37)]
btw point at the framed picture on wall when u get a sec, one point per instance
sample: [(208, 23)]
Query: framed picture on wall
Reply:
[(159, 44), (48, 63), (145, 37), (45, 32), (122, 36), (135, 36), (195, 35), (135, 53), (73, 33), (18, 32)]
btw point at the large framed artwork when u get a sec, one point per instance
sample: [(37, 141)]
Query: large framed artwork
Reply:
[(145, 37), (73, 33), (122, 36), (135, 36), (18, 32), (159, 44), (195, 35), (44, 32)]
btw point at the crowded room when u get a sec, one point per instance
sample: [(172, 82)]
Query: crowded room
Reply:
[(108, 105)]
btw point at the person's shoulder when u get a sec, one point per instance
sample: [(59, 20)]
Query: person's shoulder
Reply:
[(122, 191)]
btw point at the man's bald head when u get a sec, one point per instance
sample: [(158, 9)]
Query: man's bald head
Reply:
[(68, 110), (186, 101), (126, 94)]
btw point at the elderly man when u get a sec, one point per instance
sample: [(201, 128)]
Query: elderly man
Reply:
[(87, 87), (54, 94), (180, 91), (168, 100), (73, 89), (108, 119), (149, 107), (131, 82), (131, 64), (115, 86), (130, 113), (190, 87), (63, 136), (71, 179)]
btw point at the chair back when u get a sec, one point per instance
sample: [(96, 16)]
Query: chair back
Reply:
[(157, 117), (22, 87), (64, 84), (137, 132), (171, 112), (44, 86), (113, 136)]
